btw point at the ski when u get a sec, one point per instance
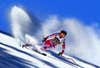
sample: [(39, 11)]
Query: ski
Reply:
[(72, 62), (40, 52)]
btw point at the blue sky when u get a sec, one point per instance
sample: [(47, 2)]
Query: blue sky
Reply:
[(87, 11)]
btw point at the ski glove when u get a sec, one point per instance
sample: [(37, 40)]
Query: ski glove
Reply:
[(44, 39), (59, 54)]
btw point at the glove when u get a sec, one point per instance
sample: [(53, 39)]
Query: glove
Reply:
[(59, 54), (44, 39)]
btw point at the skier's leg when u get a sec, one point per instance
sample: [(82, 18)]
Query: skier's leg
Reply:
[(47, 45)]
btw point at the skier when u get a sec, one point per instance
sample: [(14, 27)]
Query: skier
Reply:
[(53, 40)]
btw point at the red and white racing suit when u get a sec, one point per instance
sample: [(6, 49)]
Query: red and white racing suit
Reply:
[(53, 40)]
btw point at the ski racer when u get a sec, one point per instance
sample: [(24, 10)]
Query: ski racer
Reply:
[(53, 40)]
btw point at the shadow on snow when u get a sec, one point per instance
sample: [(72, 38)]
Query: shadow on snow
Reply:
[(16, 61), (9, 61)]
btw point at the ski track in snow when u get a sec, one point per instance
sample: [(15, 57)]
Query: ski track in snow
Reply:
[(13, 56)]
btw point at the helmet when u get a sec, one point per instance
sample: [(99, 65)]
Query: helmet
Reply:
[(63, 31)]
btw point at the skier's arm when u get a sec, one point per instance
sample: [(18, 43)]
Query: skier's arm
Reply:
[(50, 37), (63, 48)]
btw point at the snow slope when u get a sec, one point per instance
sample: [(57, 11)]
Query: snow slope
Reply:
[(13, 56)]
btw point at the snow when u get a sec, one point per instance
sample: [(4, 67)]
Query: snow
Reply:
[(13, 56)]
